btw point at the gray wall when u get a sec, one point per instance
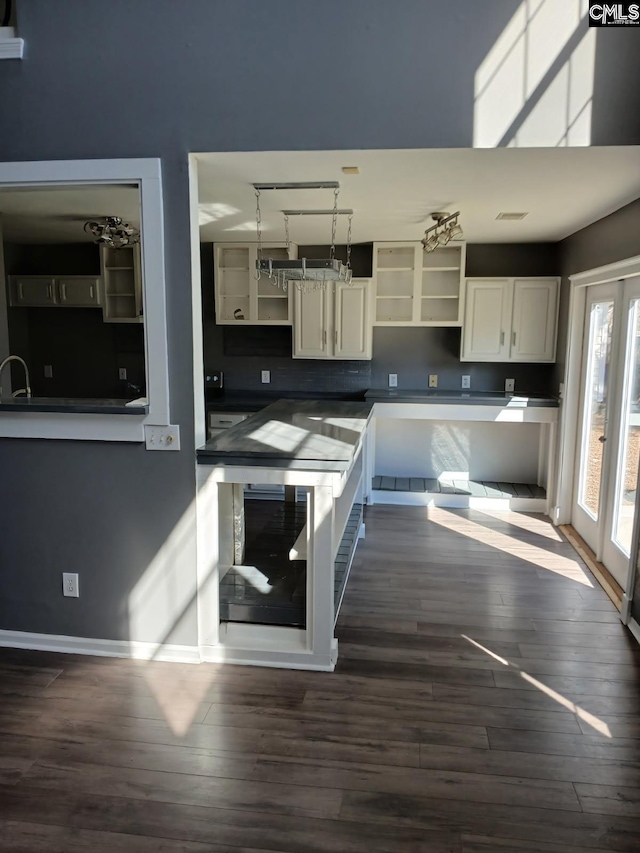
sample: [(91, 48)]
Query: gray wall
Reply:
[(145, 79), (411, 353)]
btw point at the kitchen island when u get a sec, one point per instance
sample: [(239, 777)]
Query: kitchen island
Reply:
[(319, 448)]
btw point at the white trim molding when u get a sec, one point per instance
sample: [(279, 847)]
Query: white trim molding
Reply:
[(627, 268), (133, 649), (11, 47), (147, 175), (634, 628)]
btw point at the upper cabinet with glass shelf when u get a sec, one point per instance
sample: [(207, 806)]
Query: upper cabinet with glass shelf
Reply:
[(418, 288), (241, 298)]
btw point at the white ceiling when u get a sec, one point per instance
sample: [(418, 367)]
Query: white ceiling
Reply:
[(58, 214), (562, 189)]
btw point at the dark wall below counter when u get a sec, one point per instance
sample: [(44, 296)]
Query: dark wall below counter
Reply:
[(413, 353), (84, 352)]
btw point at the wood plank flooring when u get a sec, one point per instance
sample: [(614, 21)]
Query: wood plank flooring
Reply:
[(486, 700)]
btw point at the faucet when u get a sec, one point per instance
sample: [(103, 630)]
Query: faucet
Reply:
[(3, 364)]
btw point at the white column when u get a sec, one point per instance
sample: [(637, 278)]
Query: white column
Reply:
[(320, 579)]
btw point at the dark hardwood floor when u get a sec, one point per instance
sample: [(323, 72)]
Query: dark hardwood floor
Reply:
[(486, 701)]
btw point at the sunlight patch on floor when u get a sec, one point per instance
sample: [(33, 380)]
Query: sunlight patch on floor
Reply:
[(538, 526), (590, 719), (539, 557)]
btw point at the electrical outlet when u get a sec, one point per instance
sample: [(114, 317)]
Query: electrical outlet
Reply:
[(162, 437), (393, 380), (48, 371), (265, 376), (466, 381), (122, 373), (70, 587), (509, 386), (433, 380)]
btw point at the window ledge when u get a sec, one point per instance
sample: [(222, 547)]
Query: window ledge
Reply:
[(11, 47)]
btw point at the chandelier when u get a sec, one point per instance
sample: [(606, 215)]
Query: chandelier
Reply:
[(446, 229), (113, 232), (308, 274)]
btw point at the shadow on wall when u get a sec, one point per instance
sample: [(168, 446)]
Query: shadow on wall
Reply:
[(551, 80)]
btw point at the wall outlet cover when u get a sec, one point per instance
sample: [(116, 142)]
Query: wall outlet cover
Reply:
[(162, 437), (265, 376), (122, 373), (466, 381), (393, 380), (433, 380), (48, 371), (509, 386), (70, 585)]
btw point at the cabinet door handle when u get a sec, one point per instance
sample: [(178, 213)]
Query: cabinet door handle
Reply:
[(514, 339), (336, 337), (324, 337), (63, 292), (50, 291), (91, 291), (501, 339), (21, 291)]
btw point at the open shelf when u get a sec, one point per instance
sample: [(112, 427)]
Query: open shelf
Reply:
[(429, 491)]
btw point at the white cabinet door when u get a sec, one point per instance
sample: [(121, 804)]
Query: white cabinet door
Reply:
[(352, 320), (311, 333), (78, 292), (533, 330), (485, 334), (33, 291)]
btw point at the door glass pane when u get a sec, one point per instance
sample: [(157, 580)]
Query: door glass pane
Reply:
[(595, 405), (629, 453)]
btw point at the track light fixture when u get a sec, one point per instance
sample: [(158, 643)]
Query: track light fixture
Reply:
[(446, 228)]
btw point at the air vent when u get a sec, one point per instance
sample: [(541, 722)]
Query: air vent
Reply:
[(351, 170), (511, 217)]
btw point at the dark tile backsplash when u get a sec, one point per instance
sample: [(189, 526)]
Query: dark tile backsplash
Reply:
[(413, 353)]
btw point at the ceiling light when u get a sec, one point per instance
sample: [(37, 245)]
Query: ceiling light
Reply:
[(446, 228), (113, 232), (511, 217), (351, 170)]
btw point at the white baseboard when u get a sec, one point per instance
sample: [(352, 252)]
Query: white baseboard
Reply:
[(634, 628), (102, 648)]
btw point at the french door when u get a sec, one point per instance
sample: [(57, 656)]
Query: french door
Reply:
[(608, 453)]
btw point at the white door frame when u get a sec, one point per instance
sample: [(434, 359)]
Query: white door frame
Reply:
[(570, 411)]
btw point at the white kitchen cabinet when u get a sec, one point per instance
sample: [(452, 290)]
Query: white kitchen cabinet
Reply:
[(334, 322), (79, 292), (47, 291), (533, 327), (510, 319), (122, 283), (418, 288), (240, 298), (32, 291)]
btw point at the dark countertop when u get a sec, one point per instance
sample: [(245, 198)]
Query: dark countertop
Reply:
[(293, 433), (71, 406), (469, 398), (253, 401)]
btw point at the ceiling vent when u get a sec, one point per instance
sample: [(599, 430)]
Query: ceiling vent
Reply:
[(511, 217)]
